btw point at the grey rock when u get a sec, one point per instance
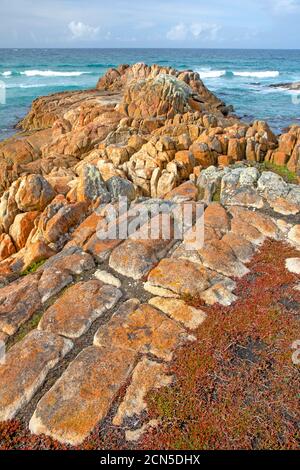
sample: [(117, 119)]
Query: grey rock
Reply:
[(120, 187)]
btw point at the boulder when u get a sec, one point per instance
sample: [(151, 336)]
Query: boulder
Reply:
[(121, 187), (22, 227), (91, 186), (7, 248), (34, 193)]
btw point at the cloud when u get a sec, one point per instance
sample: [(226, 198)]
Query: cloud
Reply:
[(285, 6), (182, 32), (177, 33), (82, 31), (204, 30)]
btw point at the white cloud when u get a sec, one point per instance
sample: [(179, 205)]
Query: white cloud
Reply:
[(204, 30), (181, 31), (81, 30), (178, 32), (285, 6)]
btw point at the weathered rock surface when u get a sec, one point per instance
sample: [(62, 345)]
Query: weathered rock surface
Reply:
[(142, 329), (74, 312), (58, 272), (25, 368), (191, 317), (153, 135), (147, 375), (34, 193), (92, 380), (179, 277), (18, 302)]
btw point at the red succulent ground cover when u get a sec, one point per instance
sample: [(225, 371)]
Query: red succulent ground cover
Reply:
[(236, 387)]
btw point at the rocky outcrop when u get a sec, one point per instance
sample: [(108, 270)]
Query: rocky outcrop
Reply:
[(153, 135), (288, 86), (124, 75)]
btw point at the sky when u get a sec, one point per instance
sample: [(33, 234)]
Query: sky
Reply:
[(155, 23)]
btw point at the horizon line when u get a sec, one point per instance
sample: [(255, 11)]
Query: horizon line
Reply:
[(155, 48)]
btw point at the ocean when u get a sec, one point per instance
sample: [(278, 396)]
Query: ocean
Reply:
[(239, 77)]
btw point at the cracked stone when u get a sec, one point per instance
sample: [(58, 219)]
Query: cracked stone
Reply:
[(147, 375), (247, 231), (25, 368), (242, 248), (143, 329), (180, 277), (219, 257), (58, 271), (83, 395), (18, 302), (189, 316), (75, 311), (262, 222)]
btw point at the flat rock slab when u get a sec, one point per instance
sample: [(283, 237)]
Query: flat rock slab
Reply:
[(242, 248), (18, 302), (145, 247), (284, 207), (135, 258), (147, 375), (58, 271), (179, 276), (248, 231), (25, 368), (262, 222), (142, 329), (83, 395), (80, 305), (219, 257), (177, 309)]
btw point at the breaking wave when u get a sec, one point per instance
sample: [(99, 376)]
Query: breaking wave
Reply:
[(266, 74), (211, 73), (51, 73), (206, 73)]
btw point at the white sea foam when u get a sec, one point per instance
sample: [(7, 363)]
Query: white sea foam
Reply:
[(211, 73), (267, 74), (51, 73), (6, 74)]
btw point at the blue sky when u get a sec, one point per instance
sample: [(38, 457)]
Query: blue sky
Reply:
[(154, 23)]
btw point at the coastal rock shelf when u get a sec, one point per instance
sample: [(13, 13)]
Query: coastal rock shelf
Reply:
[(85, 318)]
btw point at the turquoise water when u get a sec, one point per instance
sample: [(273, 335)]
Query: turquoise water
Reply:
[(239, 77)]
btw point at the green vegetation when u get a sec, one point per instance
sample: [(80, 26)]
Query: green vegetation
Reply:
[(25, 329), (217, 194), (33, 267), (283, 171)]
